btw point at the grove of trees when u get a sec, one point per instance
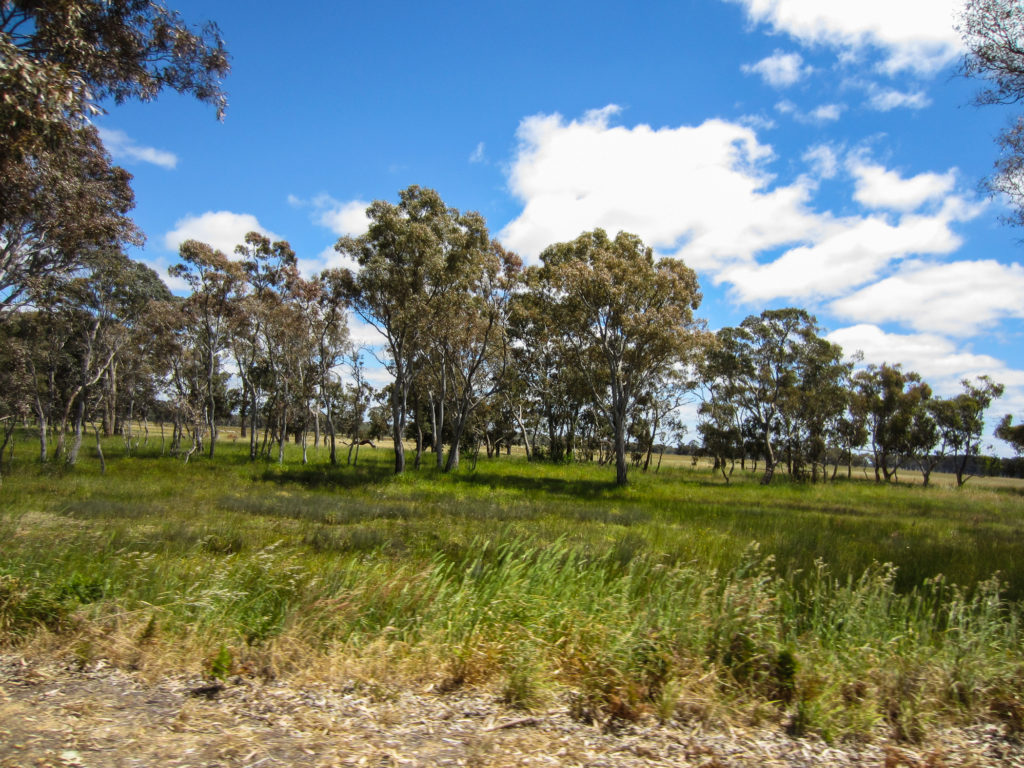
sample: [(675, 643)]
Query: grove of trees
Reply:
[(587, 356)]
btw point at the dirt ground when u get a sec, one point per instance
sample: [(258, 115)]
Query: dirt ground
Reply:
[(54, 713)]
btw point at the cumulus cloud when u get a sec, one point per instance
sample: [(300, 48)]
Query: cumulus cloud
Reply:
[(346, 218), (823, 160), (122, 147), (705, 193), (221, 229), (825, 113), (960, 298), (888, 99), (913, 35), (478, 155), (342, 218), (847, 252), (878, 187), (780, 70), (938, 359), (328, 258), (664, 184)]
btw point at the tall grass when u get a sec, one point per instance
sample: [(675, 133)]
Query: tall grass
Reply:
[(842, 609)]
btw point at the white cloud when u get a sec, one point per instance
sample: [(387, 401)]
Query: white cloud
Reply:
[(328, 258), (915, 35), (122, 147), (847, 252), (478, 154), (704, 193), (221, 229), (345, 218), (664, 184), (887, 99), (342, 218), (878, 187), (823, 161), (942, 364), (780, 70), (363, 334), (958, 299), (827, 112), (824, 113), (757, 122)]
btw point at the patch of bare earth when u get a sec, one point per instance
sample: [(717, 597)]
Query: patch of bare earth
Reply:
[(56, 714)]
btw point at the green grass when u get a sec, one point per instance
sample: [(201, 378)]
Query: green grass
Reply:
[(838, 608)]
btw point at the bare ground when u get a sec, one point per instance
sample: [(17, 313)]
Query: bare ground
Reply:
[(56, 713)]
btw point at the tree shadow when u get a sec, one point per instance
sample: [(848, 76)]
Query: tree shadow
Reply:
[(338, 477), (533, 484)]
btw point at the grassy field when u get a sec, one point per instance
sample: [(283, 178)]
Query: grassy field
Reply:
[(838, 608)]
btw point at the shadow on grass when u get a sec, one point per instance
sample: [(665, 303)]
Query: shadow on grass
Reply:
[(583, 488), (326, 476)]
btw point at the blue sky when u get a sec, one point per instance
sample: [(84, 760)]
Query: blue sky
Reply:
[(794, 152)]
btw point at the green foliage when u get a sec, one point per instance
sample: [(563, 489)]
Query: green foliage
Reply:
[(221, 664)]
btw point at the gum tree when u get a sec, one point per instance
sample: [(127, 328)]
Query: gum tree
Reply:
[(993, 34), (212, 277), (411, 255), (628, 319), (61, 199)]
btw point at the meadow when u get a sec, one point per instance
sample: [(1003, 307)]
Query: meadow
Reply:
[(845, 609)]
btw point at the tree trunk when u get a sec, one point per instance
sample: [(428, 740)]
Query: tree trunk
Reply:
[(284, 424), (397, 432), (253, 437), (453, 457), (769, 460), (437, 424), (76, 444), (99, 451), (41, 415), (331, 436), (620, 449), (517, 414), (243, 408)]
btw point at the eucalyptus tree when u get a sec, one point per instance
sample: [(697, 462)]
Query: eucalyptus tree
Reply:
[(410, 257), (265, 268), (962, 422), (61, 61), (775, 350), (722, 374), (627, 318), (57, 209), (473, 342), (16, 386), (212, 278), (331, 344), (1011, 433), (46, 334), (356, 398), (819, 402), (993, 34), (543, 388), (64, 58), (305, 336), (87, 323), (894, 402), (132, 287)]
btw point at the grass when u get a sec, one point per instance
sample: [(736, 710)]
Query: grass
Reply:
[(840, 609)]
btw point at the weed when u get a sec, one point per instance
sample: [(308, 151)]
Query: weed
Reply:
[(221, 664)]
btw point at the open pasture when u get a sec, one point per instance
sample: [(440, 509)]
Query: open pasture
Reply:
[(837, 608)]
